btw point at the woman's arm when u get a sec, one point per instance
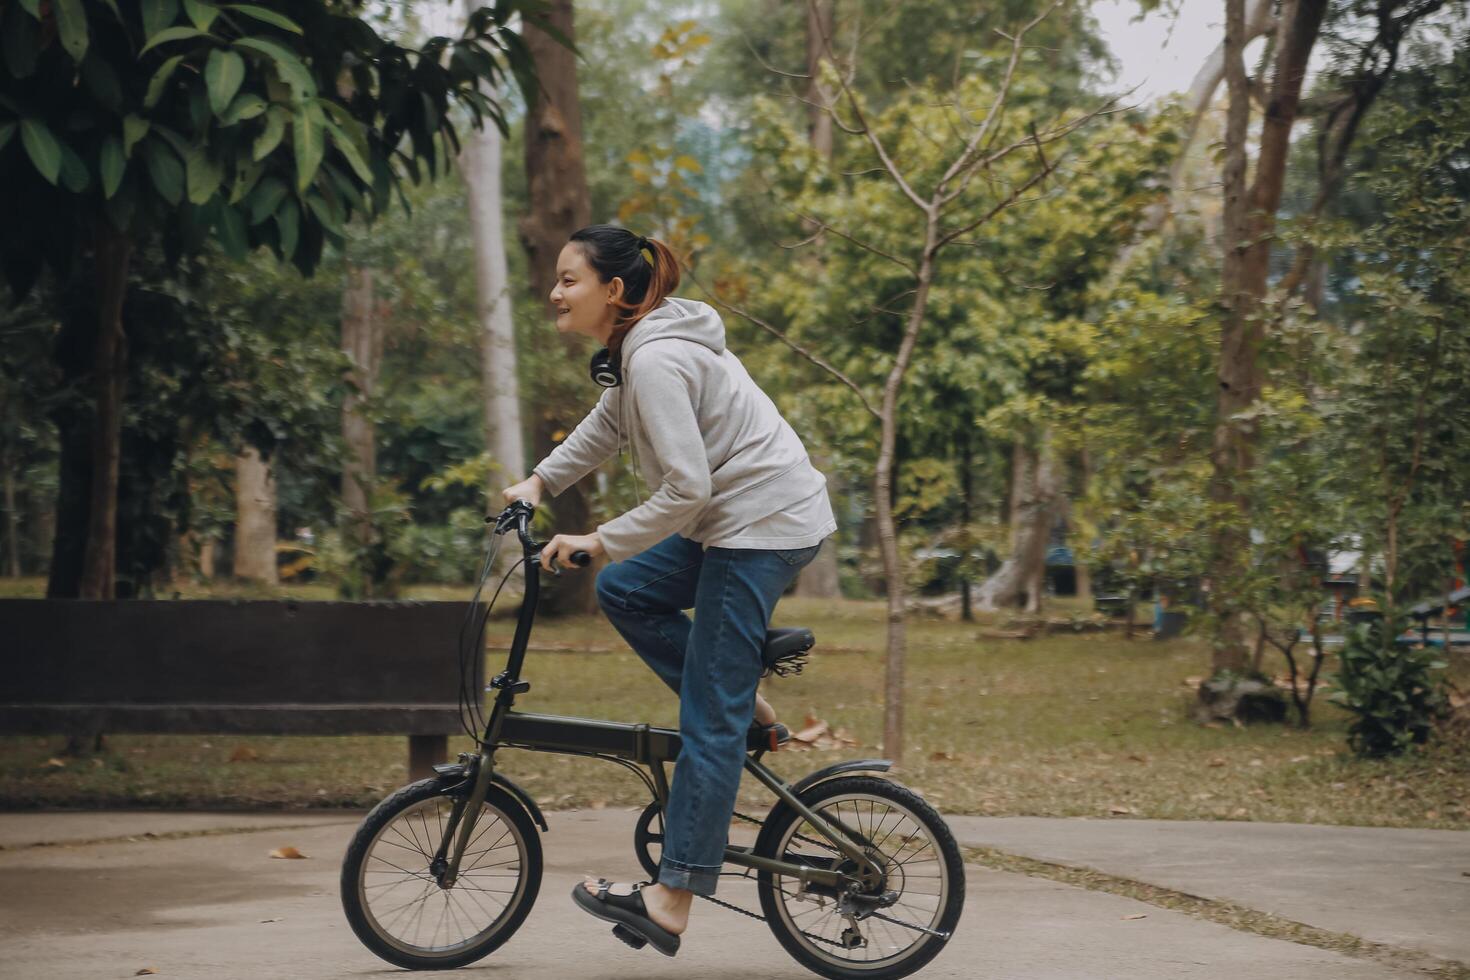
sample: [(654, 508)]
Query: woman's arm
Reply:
[(593, 440), (665, 399)]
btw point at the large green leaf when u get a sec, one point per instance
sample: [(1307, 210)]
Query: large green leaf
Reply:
[(307, 133), (288, 220), (75, 176), (165, 169), (290, 67), (352, 152), (159, 80), (32, 7), (42, 147), (326, 212), (169, 34), (112, 165), (158, 14), (266, 198), (204, 175), (134, 128), (233, 234), (7, 130), (265, 16), (276, 118), (202, 14), (245, 178), (245, 106), (71, 24), (223, 73)]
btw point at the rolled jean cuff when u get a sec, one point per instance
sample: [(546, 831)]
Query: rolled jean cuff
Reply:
[(700, 881)]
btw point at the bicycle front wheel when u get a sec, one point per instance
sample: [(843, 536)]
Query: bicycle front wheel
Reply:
[(393, 901), (894, 927)]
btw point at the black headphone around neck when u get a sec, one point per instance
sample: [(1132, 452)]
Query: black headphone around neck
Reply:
[(606, 370)]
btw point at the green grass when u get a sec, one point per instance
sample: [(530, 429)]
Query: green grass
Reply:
[(1062, 725)]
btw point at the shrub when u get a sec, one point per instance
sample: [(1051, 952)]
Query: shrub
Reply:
[(1391, 687)]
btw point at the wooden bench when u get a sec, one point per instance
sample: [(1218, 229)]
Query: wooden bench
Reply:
[(77, 667)]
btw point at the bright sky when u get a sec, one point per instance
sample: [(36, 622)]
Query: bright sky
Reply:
[(1160, 53)]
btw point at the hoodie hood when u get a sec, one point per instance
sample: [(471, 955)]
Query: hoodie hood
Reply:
[(677, 318)]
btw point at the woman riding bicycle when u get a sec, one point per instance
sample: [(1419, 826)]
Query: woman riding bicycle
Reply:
[(738, 511)]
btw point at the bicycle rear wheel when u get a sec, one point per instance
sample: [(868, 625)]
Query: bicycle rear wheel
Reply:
[(394, 902), (852, 936)]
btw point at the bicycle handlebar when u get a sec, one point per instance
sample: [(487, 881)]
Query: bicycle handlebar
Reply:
[(518, 516)]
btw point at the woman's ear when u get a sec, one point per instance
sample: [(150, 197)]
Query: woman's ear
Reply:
[(615, 289)]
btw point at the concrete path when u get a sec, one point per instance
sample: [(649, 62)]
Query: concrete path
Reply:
[(1408, 888), (218, 907)]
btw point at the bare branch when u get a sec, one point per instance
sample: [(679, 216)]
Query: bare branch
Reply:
[(866, 130), (964, 159), (822, 225), (1000, 206), (773, 331)]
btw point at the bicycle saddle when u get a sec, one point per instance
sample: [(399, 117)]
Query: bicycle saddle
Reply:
[(785, 649)]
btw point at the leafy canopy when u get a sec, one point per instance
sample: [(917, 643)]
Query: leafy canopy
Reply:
[(256, 124)]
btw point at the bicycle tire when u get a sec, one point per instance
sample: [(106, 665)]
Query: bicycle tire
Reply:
[(783, 838), (501, 814)]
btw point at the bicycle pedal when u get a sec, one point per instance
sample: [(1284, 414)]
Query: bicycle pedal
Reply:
[(629, 936)]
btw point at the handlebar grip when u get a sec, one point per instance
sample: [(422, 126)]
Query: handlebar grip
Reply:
[(581, 558)]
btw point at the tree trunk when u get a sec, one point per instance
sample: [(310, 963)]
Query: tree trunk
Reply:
[(558, 203), (1249, 222), (363, 344), (820, 22), (255, 518), (1035, 499), (109, 372), (480, 163), (967, 497), (1197, 100), (12, 522), (819, 579), (1082, 571)]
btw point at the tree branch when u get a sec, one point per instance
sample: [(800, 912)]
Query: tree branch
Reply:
[(773, 331)]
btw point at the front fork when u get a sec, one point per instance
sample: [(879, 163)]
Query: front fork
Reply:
[(461, 825)]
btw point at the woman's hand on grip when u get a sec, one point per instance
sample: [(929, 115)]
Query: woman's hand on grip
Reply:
[(560, 548), (530, 489)]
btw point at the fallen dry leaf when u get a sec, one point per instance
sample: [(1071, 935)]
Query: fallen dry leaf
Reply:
[(1121, 810), (288, 852), (1138, 757), (244, 753), (55, 763), (1137, 915), (145, 971), (271, 920), (1216, 763), (941, 757), (1431, 815)]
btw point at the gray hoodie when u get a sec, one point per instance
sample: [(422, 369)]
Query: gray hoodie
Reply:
[(700, 430)]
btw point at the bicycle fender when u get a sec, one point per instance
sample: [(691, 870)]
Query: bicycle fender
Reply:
[(525, 798), (857, 765), (451, 772)]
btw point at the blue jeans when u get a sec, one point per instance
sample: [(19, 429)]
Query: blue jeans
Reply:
[(712, 663)]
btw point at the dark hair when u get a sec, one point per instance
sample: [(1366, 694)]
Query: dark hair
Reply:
[(615, 252)]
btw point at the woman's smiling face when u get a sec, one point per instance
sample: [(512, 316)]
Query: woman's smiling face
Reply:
[(583, 304)]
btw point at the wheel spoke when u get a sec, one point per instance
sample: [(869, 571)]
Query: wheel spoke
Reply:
[(405, 906)]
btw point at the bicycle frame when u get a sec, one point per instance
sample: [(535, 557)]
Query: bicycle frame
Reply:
[(632, 745)]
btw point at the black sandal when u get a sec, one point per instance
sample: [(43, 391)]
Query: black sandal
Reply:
[(767, 737), (632, 923)]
